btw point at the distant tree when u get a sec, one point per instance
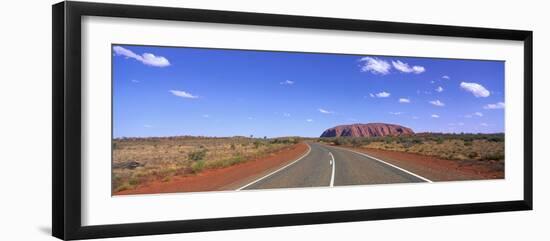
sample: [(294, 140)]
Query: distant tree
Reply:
[(265, 137)]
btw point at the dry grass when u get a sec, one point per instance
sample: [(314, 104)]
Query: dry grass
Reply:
[(449, 149), (140, 160), (479, 147)]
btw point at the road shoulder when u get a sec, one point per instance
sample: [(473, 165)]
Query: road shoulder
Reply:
[(437, 169), (229, 178)]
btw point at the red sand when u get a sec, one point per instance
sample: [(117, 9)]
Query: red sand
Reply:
[(228, 178)]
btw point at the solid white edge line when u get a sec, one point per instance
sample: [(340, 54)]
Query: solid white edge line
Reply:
[(389, 164), (287, 165), (333, 168)]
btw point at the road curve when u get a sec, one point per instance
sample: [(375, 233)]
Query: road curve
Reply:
[(325, 166)]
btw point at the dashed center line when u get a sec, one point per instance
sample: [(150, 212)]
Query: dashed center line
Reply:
[(333, 163)]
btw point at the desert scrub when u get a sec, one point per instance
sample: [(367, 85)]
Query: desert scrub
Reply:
[(143, 160), (481, 147), (197, 155), (197, 166)]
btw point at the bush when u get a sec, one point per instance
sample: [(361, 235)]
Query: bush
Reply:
[(197, 155), (257, 144), (340, 141), (473, 155), (493, 156), (417, 141), (133, 181), (355, 143), (197, 166), (496, 139)]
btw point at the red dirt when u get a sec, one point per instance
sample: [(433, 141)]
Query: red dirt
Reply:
[(437, 169), (228, 178)]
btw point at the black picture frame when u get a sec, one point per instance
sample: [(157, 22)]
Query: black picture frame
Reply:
[(66, 158)]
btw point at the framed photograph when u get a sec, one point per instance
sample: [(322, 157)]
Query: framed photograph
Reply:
[(169, 120)]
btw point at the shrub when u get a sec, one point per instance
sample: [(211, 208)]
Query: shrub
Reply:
[(197, 166), (417, 141), (339, 141), (197, 155), (133, 181), (496, 139), (493, 156), (472, 155), (257, 144)]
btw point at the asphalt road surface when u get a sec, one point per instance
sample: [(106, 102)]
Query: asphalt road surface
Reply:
[(324, 166)]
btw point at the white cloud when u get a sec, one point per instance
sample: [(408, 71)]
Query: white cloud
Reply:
[(446, 77), (183, 94), (483, 124), (499, 105), (460, 123), (405, 68), (325, 111), (382, 94), (415, 117), (146, 58), (476, 89), (439, 89), (147, 126), (437, 103), (404, 100), (395, 113), (478, 114), (287, 82), (206, 116), (375, 65), (435, 116), (286, 114), (309, 120), (135, 81)]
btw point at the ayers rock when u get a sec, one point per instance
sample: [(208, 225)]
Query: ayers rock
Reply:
[(367, 130)]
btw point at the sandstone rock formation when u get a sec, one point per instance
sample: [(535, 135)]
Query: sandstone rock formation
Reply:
[(367, 130)]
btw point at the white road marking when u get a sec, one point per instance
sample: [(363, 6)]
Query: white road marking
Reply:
[(391, 165), (333, 163), (261, 178)]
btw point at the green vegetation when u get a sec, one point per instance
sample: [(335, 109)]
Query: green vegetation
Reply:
[(197, 155)]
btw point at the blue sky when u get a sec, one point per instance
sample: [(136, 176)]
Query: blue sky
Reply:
[(168, 91)]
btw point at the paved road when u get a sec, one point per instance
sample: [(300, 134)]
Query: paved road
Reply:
[(333, 166)]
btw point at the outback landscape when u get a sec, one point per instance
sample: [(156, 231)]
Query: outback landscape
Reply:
[(142, 163), (204, 119), (138, 161)]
